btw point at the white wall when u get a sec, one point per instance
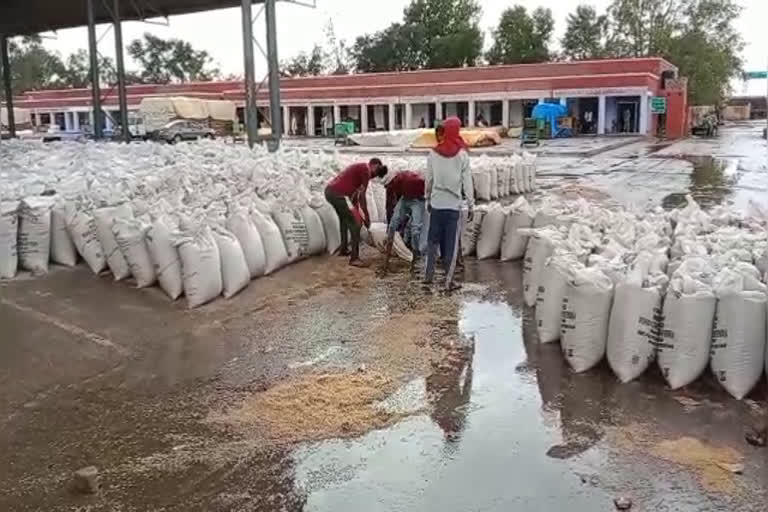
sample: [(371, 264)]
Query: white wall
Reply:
[(516, 113)]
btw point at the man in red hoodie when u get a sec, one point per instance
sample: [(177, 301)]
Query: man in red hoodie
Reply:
[(352, 184), (405, 199)]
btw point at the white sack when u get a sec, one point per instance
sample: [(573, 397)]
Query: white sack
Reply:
[(482, 183), (165, 257), (513, 244), (274, 246), (9, 226), (377, 237), (373, 209), (200, 267), (315, 230), (105, 217), (82, 228), (131, 237), (294, 232), (539, 249), (235, 274), (242, 226), (63, 250), (687, 336), (380, 198), (633, 330), (738, 342), (469, 235), (491, 231), (549, 299), (34, 247), (586, 314), (331, 227), (494, 177)]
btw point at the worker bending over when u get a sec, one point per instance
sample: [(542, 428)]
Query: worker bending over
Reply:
[(448, 183), (405, 199), (352, 184)]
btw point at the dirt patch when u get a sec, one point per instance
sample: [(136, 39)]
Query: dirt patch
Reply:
[(314, 407)]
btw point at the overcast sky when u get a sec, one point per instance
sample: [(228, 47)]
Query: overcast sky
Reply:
[(299, 28)]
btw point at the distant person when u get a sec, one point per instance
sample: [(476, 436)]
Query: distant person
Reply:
[(352, 184), (422, 123), (405, 199), (481, 121), (627, 121), (448, 182)]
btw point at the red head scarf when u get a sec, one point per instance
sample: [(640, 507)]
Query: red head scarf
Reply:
[(452, 142)]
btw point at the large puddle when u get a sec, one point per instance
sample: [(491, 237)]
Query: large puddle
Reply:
[(712, 181)]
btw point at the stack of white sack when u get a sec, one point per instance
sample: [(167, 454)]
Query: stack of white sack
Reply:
[(498, 177)]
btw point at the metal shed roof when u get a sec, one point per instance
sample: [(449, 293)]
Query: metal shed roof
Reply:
[(24, 17)]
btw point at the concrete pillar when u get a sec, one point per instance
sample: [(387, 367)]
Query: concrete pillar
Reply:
[(644, 117), (564, 101), (311, 121), (287, 120), (67, 121), (542, 100), (438, 110), (336, 114), (601, 115), (408, 116), (391, 115), (505, 113), (364, 118), (76, 120), (472, 115)]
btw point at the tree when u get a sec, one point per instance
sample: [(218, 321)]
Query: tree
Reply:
[(521, 38), (585, 34), (77, 70), (32, 65), (165, 61), (696, 35), (433, 34), (639, 28), (305, 64)]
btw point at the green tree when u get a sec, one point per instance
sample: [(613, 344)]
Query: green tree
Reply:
[(698, 36), (522, 38), (77, 70), (165, 61), (433, 34), (305, 64), (585, 34), (32, 65)]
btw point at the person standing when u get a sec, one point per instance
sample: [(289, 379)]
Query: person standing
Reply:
[(405, 199), (448, 183), (352, 184)]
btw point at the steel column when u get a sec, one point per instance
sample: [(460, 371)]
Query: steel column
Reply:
[(121, 89), (94, 54), (274, 75), (251, 115), (7, 82)]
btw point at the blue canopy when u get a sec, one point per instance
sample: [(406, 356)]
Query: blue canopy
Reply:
[(550, 112)]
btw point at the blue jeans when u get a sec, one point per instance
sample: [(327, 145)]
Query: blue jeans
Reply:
[(443, 232), (413, 208)]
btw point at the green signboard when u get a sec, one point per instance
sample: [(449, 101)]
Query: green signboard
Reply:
[(658, 105), (755, 75)]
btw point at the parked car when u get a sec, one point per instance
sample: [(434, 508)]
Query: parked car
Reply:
[(180, 130)]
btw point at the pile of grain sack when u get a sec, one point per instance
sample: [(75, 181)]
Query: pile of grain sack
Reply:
[(201, 220), (682, 289)]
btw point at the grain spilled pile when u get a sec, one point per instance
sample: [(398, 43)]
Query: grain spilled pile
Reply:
[(315, 407), (714, 465)]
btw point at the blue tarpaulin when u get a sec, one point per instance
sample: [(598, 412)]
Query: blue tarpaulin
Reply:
[(550, 112)]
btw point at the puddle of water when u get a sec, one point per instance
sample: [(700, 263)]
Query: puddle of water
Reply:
[(712, 181)]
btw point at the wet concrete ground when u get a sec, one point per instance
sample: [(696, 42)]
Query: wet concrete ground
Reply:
[(479, 415)]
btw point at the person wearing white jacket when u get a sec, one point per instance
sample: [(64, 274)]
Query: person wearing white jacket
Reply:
[(448, 183)]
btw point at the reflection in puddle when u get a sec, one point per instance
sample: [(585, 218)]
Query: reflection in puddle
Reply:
[(712, 180)]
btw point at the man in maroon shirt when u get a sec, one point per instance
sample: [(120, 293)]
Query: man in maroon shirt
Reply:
[(405, 199), (352, 184)]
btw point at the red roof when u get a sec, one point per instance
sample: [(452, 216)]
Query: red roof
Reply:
[(644, 72)]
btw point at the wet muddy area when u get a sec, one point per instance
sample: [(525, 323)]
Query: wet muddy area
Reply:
[(332, 390)]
